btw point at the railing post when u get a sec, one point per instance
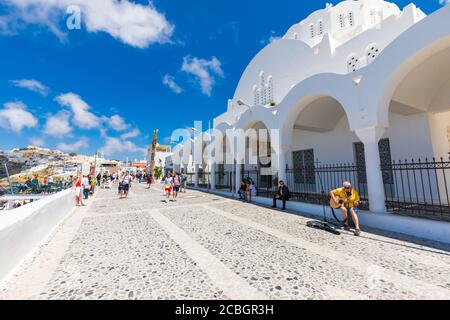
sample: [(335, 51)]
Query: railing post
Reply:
[(196, 175), (375, 187), (238, 177), (212, 178)]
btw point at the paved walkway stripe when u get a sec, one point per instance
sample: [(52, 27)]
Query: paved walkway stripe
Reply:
[(233, 286), (421, 289)]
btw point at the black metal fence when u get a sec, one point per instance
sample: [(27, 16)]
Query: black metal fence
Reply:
[(204, 180), (414, 188), (312, 184), (263, 182), (419, 188), (225, 180), (190, 179)]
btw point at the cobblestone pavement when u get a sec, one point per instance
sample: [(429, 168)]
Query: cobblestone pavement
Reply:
[(205, 246)]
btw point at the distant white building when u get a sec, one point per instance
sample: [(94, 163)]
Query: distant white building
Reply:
[(361, 82)]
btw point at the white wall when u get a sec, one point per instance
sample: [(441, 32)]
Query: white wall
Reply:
[(24, 228), (440, 126), (329, 147), (409, 137)]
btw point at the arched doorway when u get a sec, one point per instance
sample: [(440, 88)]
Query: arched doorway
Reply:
[(324, 151), (418, 180), (258, 158)]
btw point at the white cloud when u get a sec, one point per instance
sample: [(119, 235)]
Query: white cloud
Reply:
[(36, 141), (132, 23), (116, 146), (169, 81), (32, 85), (116, 123), (73, 147), (15, 117), (131, 134), (444, 2), (58, 125), (83, 118), (205, 71)]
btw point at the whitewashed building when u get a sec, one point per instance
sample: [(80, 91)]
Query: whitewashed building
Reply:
[(362, 83)]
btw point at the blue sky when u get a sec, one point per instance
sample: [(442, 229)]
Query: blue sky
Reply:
[(131, 68)]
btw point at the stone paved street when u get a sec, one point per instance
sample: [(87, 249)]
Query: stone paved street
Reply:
[(208, 247)]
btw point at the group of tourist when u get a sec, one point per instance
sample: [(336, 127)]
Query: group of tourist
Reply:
[(125, 184), (174, 183), (247, 190), (346, 198), (84, 187)]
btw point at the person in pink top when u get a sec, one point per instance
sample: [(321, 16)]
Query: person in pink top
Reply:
[(176, 185)]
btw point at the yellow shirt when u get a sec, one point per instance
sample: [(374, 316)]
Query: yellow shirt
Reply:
[(342, 194)]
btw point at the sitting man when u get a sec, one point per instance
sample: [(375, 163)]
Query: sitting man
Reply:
[(281, 194), (347, 198)]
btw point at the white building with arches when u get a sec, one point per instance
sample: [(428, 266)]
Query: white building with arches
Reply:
[(361, 82)]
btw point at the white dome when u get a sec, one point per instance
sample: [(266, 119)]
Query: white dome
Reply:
[(338, 39)]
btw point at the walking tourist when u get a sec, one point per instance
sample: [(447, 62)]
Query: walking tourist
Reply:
[(176, 183), (99, 180), (168, 186), (184, 179), (281, 194), (149, 181), (78, 191), (93, 184), (347, 199), (86, 187), (126, 184)]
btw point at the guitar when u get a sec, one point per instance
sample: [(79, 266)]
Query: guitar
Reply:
[(336, 205)]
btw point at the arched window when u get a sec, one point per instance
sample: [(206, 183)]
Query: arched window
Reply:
[(320, 27), (255, 95), (311, 31), (374, 17), (351, 19), (295, 36), (352, 63), (262, 78), (270, 89), (342, 21), (372, 52), (258, 97)]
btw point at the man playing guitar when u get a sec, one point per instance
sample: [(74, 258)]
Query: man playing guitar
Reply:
[(346, 199)]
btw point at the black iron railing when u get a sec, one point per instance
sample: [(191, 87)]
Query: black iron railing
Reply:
[(190, 179), (312, 184), (224, 180), (419, 188), (204, 180), (263, 182)]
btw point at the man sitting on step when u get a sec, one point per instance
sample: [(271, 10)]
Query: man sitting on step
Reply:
[(281, 194)]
